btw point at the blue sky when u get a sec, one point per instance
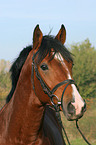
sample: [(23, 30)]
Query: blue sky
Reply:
[(19, 17)]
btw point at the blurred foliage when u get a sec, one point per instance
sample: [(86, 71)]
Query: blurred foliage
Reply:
[(4, 65), (5, 85), (84, 70)]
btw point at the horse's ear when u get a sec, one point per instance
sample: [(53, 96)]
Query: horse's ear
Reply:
[(37, 37), (61, 36)]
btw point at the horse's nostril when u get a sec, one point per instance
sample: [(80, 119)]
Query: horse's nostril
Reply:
[(71, 109)]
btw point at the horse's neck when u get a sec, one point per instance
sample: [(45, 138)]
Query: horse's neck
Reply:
[(23, 116)]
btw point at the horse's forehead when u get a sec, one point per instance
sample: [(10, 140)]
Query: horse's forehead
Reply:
[(59, 57), (61, 60)]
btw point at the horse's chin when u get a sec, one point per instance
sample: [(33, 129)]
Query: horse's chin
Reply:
[(74, 117)]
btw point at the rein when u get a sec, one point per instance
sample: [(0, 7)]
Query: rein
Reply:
[(51, 94)]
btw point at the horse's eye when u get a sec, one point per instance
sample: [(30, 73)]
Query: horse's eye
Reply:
[(44, 67)]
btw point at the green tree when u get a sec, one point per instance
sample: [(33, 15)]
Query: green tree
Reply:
[(84, 70), (4, 65), (5, 82)]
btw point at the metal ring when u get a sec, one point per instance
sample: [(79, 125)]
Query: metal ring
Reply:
[(58, 101)]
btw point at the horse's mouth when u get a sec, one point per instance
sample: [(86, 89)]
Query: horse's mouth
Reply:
[(72, 117)]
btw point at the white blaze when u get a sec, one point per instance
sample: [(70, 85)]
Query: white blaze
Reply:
[(79, 103)]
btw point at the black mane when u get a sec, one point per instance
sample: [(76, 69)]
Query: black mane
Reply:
[(16, 69)]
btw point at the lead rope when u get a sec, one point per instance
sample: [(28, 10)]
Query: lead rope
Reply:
[(81, 133)]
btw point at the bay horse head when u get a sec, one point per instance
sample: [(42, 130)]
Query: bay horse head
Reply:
[(52, 74)]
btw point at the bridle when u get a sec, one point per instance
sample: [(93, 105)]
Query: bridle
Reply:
[(46, 89), (51, 94)]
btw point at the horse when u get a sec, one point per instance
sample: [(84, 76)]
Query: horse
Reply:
[(45, 80), (51, 126)]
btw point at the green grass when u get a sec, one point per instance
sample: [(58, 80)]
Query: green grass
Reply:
[(78, 141)]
